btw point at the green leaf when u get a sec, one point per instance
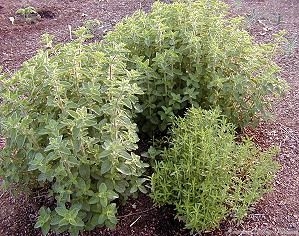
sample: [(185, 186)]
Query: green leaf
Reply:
[(94, 200), (121, 186), (125, 155), (73, 114), (43, 220), (63, 222), (76, 132), (102, 188), (55, 219), (76, 146), (75, 209), (142, 189), (45, 228), (106, 166), (21, 141), (78, 222), (124, 169), (104, 201), (36, 162), (84, 171), (127, 102), (104, 153), (112, 195), (94, 221), (73, 160), (62, 211), (101, 219), (81, 184), (72, 221), (74, 231), (133, 189), (113, 219)]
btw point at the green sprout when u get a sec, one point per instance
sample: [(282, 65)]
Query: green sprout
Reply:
[(26, 12)]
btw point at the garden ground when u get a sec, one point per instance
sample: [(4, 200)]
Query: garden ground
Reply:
[(276, 214)]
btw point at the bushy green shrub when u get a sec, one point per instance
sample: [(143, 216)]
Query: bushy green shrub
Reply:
[(191, 53), (206, 175), (67, 116)]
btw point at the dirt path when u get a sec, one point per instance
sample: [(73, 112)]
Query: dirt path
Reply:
[(276, 214)]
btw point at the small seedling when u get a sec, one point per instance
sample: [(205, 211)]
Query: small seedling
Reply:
[(91, 25), (26, 12)]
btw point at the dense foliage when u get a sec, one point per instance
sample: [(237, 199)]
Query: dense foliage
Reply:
[(206, 175), (67, 115), (192, 54)]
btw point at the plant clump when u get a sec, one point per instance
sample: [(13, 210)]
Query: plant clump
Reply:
[(67, 115), (190, 53), (206, 175), (27, 14)]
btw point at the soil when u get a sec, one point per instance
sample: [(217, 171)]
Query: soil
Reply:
[(276, 214)]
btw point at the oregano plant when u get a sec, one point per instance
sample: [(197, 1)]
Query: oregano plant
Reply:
[(67, 117), (190, 53)]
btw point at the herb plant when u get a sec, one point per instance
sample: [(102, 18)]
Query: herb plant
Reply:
[(67, 116), (190, 54), (26, 11), (206, 175), (27, 14)]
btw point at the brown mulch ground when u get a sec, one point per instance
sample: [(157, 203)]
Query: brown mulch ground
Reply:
[(276, 214)]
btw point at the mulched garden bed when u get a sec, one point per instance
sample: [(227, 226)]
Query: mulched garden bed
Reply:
[(276, 214)]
